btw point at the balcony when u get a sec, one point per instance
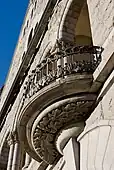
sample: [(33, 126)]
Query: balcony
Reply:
[(57, 99), (63, 63)]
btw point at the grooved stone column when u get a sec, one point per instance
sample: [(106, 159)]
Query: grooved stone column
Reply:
[(71, 155), (16, 157), (10, 158), (97, 146), (16, 152)]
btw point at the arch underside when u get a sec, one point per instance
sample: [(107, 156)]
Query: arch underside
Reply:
[(75, 25)]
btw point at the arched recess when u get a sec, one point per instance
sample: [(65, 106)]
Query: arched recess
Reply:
[(4, 156), (75, 26)]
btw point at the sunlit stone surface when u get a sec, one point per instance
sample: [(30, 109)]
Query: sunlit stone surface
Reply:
[(57, 105)]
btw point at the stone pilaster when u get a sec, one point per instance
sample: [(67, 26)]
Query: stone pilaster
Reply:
[(58, 123), (15, 154), (11, 151), (96, 146)]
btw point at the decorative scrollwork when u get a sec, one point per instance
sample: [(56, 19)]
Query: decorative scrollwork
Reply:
[(49, 126), (65, 59)]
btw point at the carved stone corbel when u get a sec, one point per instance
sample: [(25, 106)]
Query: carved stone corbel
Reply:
[(60, 117)]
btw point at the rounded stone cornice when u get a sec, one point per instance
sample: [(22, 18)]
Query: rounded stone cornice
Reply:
[(72, 85), (62, 117)]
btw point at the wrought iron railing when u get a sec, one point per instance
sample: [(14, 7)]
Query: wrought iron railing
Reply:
[(64, 61)]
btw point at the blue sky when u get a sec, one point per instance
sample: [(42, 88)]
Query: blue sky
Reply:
[(12, 13)]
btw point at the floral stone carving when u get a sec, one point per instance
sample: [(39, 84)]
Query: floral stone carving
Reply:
[(55, 118)]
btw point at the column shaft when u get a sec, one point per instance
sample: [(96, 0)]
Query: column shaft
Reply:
[(17, 157), (10, 159)]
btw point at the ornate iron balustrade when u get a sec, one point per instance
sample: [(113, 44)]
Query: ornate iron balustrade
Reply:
[(65, 60)]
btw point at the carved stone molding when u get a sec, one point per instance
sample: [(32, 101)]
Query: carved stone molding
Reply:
[(57, 117), (13, 138), (10, 139)]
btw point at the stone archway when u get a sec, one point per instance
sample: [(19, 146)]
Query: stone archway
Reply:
[(83, 34), (75, 25)]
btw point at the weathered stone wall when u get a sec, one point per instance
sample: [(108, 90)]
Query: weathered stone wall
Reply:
[(102, 19), (105, 108), (96, 142), (96, 146), (53, 30)]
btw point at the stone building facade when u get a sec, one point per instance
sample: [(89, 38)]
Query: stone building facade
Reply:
[(57, 105)]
